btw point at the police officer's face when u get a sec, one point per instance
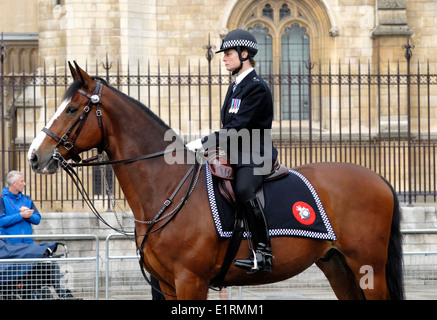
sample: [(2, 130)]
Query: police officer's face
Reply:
[(231, 59)]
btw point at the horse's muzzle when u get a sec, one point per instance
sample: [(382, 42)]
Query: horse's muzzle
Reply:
[(45, 167)]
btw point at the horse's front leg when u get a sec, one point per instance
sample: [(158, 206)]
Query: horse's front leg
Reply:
[(169, 292), (190, 286)]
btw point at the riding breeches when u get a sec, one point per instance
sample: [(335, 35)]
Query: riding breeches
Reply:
[(246, 183)]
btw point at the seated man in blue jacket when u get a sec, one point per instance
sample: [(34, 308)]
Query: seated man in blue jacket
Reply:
[(17, 211)]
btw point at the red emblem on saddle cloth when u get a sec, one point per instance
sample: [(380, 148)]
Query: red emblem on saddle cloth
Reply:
[(304, 213)]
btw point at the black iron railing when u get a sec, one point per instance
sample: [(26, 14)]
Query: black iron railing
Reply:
[(380, 115)]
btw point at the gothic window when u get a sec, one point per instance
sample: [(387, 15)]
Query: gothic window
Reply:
[(290, 34), (264, 57), (284, 46), (295, 55), (268, 11), (284, 12)]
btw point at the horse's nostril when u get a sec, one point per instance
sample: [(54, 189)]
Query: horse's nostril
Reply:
[(33, 158)]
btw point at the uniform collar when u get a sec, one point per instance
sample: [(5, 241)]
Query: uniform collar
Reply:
[(240, 77)]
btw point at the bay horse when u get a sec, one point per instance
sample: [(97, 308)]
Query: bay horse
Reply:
[(184, 254)]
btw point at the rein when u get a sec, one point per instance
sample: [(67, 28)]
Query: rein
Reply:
[(140, 249), (68, 143), (68, 167), (89, 163)]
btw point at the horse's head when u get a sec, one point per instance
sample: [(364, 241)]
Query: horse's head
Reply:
[(75, 127)]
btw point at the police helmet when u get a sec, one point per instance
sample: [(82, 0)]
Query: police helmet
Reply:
[(239, 38)]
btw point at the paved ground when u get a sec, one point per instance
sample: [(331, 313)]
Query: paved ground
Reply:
[(420, 284)]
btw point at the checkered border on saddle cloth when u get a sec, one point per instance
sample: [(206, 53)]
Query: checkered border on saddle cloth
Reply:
[(292, 209)]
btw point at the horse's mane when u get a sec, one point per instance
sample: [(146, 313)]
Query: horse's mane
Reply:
[(71, 91)]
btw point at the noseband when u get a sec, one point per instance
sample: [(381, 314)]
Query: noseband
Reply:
[(69, 142)]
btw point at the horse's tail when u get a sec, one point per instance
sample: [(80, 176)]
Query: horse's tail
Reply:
[(394, 266)]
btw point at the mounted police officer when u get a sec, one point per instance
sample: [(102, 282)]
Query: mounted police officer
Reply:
[(246, 115)]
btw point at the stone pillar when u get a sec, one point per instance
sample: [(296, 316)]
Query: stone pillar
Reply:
[(391, 32), (86, 31), (392, 18)]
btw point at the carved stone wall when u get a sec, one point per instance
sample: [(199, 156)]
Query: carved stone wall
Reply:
[(148, 30), (392, 18)]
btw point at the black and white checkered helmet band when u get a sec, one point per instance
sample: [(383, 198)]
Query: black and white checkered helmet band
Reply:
[(239, 38), (239, 43)]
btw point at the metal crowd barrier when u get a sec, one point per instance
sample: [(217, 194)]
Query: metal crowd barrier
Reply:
[(62, 277), (123, 279), (420, 278)]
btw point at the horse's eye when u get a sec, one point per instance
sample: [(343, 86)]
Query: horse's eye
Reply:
[(71, 110)]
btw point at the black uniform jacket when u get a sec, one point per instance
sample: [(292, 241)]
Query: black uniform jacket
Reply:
[(246, 116)]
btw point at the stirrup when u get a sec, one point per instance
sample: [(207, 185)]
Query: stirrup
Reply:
[(267, 258), (251, 264), (255, 262)]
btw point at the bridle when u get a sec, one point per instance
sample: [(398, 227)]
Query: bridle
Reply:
[(67, 142)]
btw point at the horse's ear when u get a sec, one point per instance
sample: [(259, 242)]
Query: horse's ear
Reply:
[(83, 76), (73, 71)]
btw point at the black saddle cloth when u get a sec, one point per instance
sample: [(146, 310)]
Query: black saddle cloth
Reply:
[(292, 208)]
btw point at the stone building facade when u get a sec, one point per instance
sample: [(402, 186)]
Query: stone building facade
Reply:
[(42, 34), (159, 33), (176, 31)]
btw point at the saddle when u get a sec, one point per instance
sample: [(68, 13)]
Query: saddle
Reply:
[(220, 167)]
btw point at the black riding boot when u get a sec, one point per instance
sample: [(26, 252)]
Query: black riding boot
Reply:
[(261, 259)]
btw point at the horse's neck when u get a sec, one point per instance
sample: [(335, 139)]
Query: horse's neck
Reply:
[(145, 183), (134, 137)]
